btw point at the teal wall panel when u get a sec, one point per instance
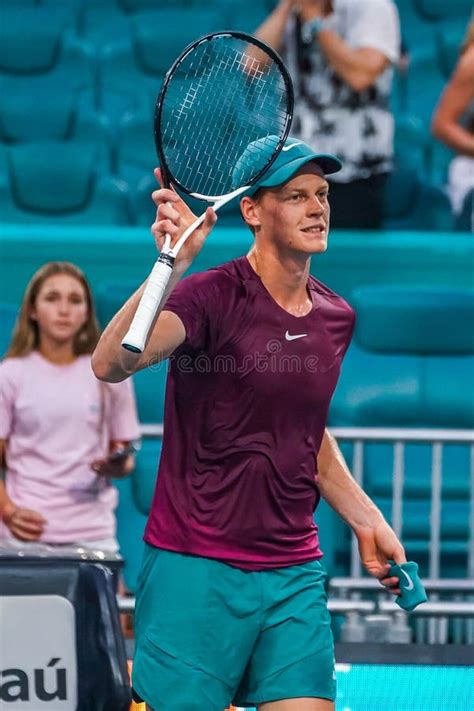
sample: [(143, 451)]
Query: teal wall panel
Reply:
[(353, 258)]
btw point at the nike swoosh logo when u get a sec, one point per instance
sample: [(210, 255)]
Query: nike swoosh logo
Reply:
[(410, 585), (293, 338), (288, 148)]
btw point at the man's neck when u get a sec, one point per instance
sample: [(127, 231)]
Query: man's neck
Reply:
[(285, 278)]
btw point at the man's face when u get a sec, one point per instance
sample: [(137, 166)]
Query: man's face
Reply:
[(295, 216)]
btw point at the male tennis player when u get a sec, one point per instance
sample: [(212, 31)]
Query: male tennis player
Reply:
[(231, 603)]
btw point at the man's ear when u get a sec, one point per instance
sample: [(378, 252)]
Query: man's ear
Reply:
[(249, 210)]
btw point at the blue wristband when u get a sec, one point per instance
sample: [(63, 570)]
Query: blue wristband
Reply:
[(311, 29), (412, 592)]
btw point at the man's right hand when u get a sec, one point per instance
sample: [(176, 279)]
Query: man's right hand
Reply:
[(24, 524), (173, 217)]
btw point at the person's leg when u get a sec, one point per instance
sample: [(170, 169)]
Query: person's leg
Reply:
[(196, 624), (292, 662), (298, 705)]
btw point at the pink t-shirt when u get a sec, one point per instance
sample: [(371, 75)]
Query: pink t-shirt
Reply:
[(58, 419)]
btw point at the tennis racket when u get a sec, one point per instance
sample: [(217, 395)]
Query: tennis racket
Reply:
[(222, 116)]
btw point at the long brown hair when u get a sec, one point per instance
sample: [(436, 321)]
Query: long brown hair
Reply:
[(25, 337)]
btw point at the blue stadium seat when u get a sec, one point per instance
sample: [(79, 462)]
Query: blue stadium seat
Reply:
[(133, 6), (135, 495), (425, 81), (465, 220), (144, 208), (441, 10), (100, 22), (8, 314), (449, 40), (135, 153), (439, 158), (130, 527), (411, 143), (60, 182), (143, 483), (38, 57), (412, 365), (61, 118), (132, 70), (247, 17), (410, 203), (416, 29)]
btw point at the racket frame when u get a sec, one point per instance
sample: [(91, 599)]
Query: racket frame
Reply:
[(135, 338), (167, 179)]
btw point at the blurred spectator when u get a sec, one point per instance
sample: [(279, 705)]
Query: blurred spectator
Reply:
[(453, 123), (58, 423), (339, 53)]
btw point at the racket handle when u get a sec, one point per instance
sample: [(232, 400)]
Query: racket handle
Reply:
[(136, 336)]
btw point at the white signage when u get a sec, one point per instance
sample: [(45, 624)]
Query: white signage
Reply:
[(38, 666)]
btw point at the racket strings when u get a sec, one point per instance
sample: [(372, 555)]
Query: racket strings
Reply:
[(220, 100)]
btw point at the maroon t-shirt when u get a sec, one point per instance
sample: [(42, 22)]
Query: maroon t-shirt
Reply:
[(246, 404)]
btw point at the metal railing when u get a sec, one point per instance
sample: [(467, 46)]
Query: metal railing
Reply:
[(438, 620), (348, 591)]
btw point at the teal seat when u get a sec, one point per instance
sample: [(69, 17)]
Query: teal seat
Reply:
[(41, 58), (411, 143), (378, 471), (98, 22), (30, 32), (8, 315), (425, 81), (111, 296), (134, 6), (64, 117), (440, 10), (144, 476), (135, 496), (131, 70), (465, 220), (429, 313), (439, 158), (60, 182), (150, 385), (247, 17), (144, 207), (130, 528), (416, 29), (411, 365), (136, 153), (449, 40), (410, 204)]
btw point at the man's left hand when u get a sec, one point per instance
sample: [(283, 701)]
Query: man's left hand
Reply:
[(377, 545)]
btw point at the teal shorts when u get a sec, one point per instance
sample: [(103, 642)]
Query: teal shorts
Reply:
[(208, 634)]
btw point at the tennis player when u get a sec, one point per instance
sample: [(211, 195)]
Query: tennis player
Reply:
[(231, 602)]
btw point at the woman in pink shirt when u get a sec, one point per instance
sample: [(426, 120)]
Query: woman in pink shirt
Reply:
[(61, 430)]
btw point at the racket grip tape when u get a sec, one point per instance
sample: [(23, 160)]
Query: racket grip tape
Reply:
[(137, 334)]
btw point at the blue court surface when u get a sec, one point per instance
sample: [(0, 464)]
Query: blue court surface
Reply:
[(404, 687), (383, 687)]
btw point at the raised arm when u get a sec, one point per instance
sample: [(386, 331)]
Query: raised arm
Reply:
[(360, 66), (456, 97), (271, 31), (110, 361)]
